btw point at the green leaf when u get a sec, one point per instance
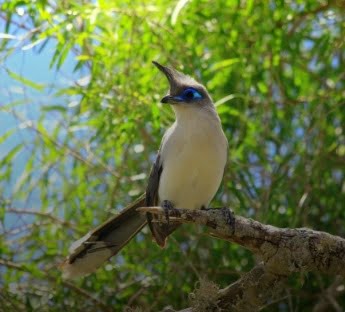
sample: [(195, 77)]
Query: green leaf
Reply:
[(25, 81), (32, 44), (49, 108), (179, 6), (9, 157), (6, 135), (224, 63), (7, 36)]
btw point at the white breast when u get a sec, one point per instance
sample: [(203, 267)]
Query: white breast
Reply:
[(194, 152)]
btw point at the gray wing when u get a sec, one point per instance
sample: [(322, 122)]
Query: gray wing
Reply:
[(160, 232), (153, 182)]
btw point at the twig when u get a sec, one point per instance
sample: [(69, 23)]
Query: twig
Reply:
[(328, 297), (70, 285), (41, 214)]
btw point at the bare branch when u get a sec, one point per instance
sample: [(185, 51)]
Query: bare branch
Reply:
[(252, 291), (328, 297), (82, 292), (41, 214), (282, 250)]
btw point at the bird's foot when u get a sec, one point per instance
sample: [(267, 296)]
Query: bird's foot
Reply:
[(228, 216), (168, 208)]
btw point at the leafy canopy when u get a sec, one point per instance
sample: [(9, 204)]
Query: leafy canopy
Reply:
[(78, 147)]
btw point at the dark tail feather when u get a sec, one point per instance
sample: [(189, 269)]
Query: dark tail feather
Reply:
[(160, 232), (91, 251)]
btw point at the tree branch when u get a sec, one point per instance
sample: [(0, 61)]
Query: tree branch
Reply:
[(283, 251), (329, 296), (250, 293)]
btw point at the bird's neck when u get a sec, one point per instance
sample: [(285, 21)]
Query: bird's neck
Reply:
[(187, 114)]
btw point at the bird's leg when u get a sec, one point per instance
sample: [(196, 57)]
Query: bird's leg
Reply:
[(228, 216), (168, 207)]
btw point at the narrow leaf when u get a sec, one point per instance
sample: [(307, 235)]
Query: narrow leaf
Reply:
[(177, 10), (25, 81)]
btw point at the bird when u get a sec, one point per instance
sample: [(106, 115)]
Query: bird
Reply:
[(187, 173)]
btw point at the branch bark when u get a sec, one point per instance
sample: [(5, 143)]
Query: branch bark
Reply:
[(283, 251), (254, 290)]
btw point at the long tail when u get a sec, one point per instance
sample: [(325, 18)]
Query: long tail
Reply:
[(91, 251)]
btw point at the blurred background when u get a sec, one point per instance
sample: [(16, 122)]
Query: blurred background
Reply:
[(80, 123)]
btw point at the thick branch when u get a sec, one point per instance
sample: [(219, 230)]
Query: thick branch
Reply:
[(282, 250)]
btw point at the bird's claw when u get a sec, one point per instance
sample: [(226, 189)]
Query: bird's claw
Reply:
[(167, 207), (229, 218)]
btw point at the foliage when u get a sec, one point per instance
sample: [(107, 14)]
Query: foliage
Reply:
[(73, 153)]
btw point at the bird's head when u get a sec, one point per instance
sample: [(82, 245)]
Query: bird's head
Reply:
[(184, 90)]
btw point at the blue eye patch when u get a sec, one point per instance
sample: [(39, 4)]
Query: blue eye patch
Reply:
[(190, 94)]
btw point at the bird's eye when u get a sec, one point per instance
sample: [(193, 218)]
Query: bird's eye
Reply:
[(191, 94)]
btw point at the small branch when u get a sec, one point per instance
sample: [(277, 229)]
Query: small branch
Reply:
[(328, 297), (301, 17), (41, 214), (253, 290), (53, 279), (250, 293), (283, 251)]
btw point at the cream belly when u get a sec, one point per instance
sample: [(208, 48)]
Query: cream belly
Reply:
[(193, 161)]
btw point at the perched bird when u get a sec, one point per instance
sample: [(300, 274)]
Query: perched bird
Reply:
[(186, 174)]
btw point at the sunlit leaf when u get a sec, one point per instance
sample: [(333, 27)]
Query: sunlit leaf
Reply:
[(25, 81)]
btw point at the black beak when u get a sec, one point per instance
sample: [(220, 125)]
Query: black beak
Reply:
[(174, 77), (168, 99)]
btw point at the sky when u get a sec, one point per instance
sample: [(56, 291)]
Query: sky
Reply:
[(25, 61)]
